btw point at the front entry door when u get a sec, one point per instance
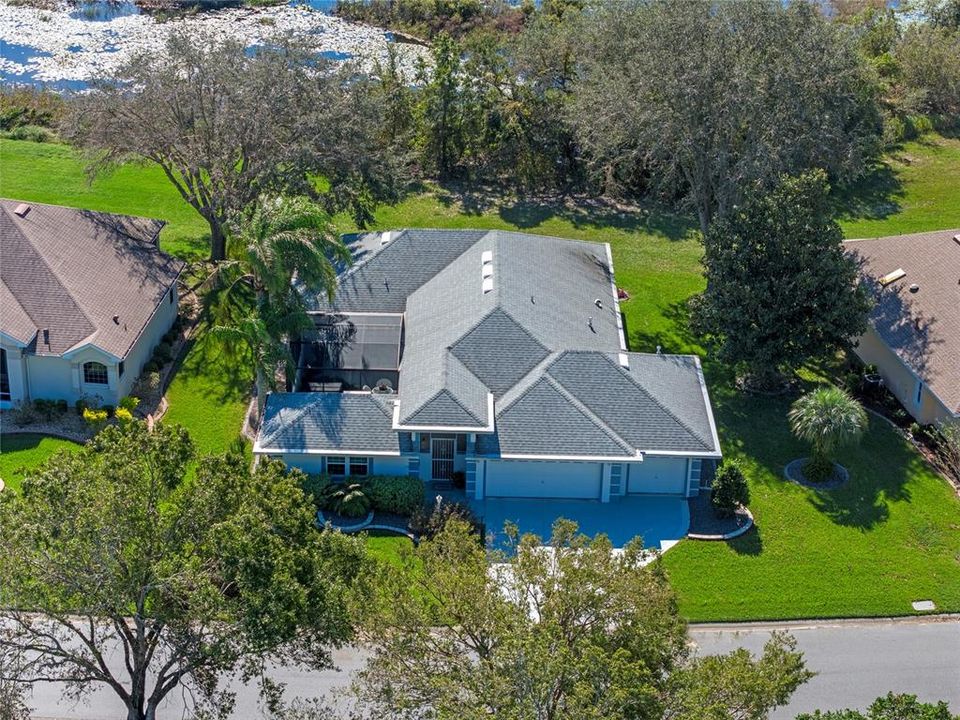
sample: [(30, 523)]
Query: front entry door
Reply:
[(442, 456)]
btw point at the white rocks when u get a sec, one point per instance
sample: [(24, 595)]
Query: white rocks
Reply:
[(65, 48)]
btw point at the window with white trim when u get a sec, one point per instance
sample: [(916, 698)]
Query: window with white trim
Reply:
[(95, 373), (336, 465)]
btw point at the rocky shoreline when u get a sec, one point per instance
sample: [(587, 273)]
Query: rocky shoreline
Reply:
[(61, 46)]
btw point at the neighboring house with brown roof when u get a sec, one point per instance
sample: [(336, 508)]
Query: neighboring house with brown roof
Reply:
[(914, 333), (84, 298)]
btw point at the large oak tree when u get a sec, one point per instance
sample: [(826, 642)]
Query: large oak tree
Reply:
[(123, 569)]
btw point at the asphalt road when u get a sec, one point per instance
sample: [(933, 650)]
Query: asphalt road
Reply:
[(855, 662)]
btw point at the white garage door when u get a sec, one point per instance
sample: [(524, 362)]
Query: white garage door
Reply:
[(661, 475), (539, 479)]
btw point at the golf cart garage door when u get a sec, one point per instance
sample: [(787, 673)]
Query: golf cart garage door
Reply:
[(658, 475), (542, 479)]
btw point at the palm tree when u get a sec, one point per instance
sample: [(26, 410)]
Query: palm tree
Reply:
[(287, 238), (827, 418)]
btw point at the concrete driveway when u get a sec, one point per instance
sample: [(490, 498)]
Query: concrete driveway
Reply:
[(661, 520)]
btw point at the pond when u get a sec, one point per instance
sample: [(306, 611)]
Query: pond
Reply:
[(67, 47)]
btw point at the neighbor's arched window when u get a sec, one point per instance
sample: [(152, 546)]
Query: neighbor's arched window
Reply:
[(95, 373)]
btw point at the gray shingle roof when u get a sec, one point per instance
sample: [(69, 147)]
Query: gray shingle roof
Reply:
[(922, 328), (71, 271), (542, 339), (328, 421), (381, 281)]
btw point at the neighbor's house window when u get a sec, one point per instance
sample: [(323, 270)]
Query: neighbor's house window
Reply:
[(336, 465), (95, 373), (4, 378), (358, 466), (120, 369)]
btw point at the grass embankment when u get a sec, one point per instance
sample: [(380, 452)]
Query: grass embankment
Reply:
[(892, 535), (21, 452)]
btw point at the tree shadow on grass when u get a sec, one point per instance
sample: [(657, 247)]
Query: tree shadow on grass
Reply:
[(874, 197), (676, 338), (880, 470), (750, 543)]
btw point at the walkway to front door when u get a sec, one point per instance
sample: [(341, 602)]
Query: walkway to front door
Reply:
[(441, 452)]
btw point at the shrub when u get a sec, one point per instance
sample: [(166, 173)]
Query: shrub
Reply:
[(109, 409), (428, 521), (25, 414), (317, 488), (129, 403), (350, 500), (62, 407), (730, 489), (33, 133), (95, 418), (123, 415), (81, 404), (47, 410), (395, 493), (151, 366), (163, 354), (459, 479), (827, 418), (148, 384)]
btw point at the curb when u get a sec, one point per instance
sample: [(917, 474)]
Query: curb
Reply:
[(727, 536), (810, 623)]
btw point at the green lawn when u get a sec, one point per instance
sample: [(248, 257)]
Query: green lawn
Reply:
[(916, 189), (22, 452), (387, 546), (53, 173), (892, 535)]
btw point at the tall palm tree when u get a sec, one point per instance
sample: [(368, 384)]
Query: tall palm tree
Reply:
[(287, 238), (827, 418), (283, 249)]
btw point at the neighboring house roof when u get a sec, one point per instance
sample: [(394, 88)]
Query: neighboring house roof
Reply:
[(922, 327), (326, 422), (69, 272), (518, 338)]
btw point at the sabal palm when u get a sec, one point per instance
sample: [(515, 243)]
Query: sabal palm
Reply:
[(283, 238), (827, 418)]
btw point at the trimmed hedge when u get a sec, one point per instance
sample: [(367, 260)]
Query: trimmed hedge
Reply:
[(398, 494)]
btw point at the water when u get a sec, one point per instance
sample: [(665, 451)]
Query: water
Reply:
[(18, 62)]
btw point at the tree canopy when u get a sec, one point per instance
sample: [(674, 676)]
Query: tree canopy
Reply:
[(118, 546), (889, 707), (719, 98), (571, 630), (227, 125), (780, 289)]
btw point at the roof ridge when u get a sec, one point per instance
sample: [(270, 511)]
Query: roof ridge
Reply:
[(66, 291), (586, 412), (655, 400), (438, 393)]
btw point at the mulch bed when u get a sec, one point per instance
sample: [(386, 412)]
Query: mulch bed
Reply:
[(704, 521), (794, 473)]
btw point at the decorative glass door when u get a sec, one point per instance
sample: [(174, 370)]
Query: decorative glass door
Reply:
[(442, 457)]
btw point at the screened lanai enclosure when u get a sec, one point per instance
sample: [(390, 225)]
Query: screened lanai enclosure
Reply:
[(349, 351)]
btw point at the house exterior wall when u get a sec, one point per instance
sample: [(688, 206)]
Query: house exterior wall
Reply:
[(315, 464), (51, 377), (901, 380), (142, 350), (16, 375)]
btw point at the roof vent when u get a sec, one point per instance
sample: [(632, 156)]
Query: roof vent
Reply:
[(487, 285), (892, 277), (624, 361), (487, 270), (487, 256), (956, 238), (914, 288), (46, 336), (385, 238), (116, 319), (599, 303), (22, 209)]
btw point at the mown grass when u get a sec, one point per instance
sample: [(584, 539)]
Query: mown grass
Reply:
[(892, 535), (22, 452), (54, 173)]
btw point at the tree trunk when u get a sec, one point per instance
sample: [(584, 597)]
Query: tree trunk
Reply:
[(218, 240)]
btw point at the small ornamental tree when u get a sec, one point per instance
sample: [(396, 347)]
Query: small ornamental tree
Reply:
[(889, 707), (780, 289), (827, 418), (729, 490)]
